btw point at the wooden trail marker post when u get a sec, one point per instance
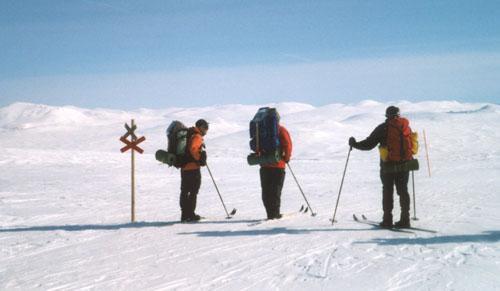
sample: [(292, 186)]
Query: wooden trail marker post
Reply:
[(132, 144)]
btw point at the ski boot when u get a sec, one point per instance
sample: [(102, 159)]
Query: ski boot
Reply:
[(403, 223)]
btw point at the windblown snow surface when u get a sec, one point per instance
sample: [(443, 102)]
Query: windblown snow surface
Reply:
[(65, 203)]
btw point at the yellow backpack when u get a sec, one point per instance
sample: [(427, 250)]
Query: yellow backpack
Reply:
[(414, 143)]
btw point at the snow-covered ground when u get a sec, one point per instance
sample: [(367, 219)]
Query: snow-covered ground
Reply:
[(65, 203)]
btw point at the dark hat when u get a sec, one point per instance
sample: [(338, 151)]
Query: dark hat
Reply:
[(202, 123), (391, 111)]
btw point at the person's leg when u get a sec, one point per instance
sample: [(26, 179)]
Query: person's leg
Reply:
[(278, 181), (401, 180), (193, 196), (265, 184), (387, 197), (190, 184), (183, 199)]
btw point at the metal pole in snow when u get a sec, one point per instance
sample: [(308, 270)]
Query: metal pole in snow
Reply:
[(414, 199), (341, 184), (427, 155)]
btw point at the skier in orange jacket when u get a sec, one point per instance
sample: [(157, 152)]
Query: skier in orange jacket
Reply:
[(190, 172)]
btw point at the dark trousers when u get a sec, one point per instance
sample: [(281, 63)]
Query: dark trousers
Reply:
[(271, 182), (190, 185), (400, 180)]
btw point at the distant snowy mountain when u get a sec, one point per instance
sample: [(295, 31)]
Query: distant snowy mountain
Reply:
[(27, 115)]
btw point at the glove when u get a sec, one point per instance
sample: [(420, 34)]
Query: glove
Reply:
[(352, 141), (203, 158)]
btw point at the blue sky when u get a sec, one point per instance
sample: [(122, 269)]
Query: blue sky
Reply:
[(129, 54)]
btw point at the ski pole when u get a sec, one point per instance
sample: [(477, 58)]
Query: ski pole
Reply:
[(414, 201), (341, 184), (217, 188), (300, 188), (427, 155)]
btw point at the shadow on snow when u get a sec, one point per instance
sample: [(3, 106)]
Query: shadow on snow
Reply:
[(486, 237), (83, 227), (267, 231)]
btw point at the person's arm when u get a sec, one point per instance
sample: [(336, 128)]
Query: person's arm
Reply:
[(196, 144), (372, 140), (286, 144)]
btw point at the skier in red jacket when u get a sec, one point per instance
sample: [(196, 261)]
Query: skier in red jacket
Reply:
[(272, 176)]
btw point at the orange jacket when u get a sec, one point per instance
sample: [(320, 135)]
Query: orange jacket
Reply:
[(286, 149), (195, 147)]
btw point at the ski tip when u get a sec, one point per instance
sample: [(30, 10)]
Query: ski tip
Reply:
[(364, 217), (233, 212), (307, 209), (355, 217), (301, 208)]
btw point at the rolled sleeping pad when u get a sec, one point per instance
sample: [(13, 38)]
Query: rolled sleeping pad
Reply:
[(165, 157), (264, 159)]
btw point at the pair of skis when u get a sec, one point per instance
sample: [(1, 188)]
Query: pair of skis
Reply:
[(303, 210), (365, 220)]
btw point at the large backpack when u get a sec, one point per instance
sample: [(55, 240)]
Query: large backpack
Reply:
[(399, 140), (178, 144), (264, 136)]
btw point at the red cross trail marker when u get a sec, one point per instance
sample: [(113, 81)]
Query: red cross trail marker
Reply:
[(132, 144)]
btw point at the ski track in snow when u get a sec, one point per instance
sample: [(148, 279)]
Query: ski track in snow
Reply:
[(65, 204)]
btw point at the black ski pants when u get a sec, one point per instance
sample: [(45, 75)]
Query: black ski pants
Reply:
[(190, 185), (271, 182), (400, 180)]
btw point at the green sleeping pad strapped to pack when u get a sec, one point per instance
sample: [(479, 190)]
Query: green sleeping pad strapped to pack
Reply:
[(165, 157), (264, 159)]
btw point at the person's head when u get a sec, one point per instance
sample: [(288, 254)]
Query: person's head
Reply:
[(202, 125), (391, 112)]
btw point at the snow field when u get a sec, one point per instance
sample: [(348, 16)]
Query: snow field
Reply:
[(65, 203)]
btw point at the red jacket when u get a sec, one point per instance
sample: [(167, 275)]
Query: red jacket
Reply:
[(286, 149), (195, 147)]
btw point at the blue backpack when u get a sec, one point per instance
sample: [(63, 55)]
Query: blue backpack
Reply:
[(264, 137)]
